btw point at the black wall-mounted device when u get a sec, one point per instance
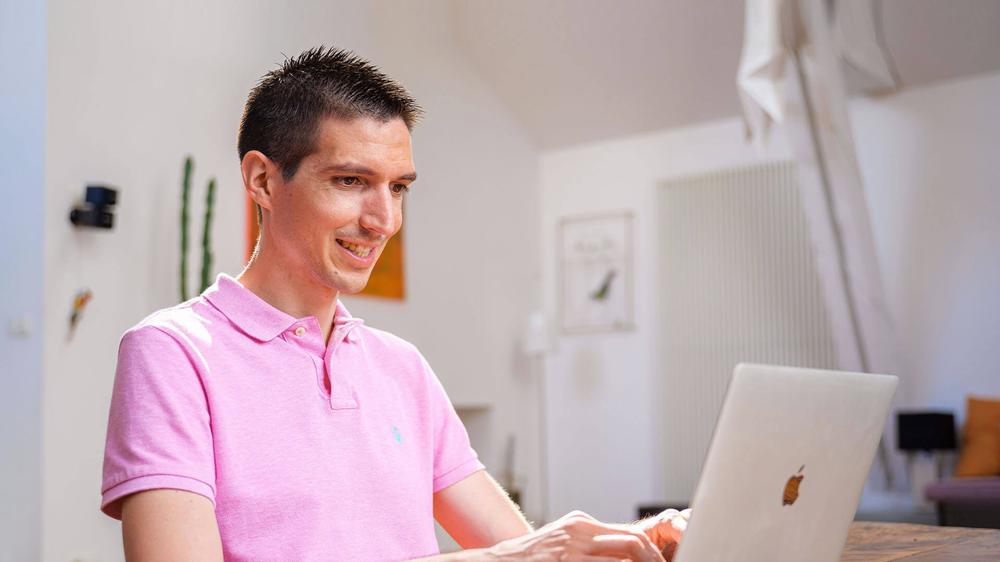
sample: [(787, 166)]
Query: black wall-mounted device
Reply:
[(925, 431), (97, 211)]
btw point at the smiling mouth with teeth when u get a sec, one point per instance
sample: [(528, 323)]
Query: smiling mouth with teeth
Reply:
[(360, 251)]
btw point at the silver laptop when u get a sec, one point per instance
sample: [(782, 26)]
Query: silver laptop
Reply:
[(786, 466)]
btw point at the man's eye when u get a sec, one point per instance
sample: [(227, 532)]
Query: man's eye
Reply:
[(348, 180), (400, 188)]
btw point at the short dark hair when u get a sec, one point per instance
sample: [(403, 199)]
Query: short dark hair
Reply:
[(283, 112)]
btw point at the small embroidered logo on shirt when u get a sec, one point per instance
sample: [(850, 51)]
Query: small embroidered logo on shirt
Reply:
[(397, 435)]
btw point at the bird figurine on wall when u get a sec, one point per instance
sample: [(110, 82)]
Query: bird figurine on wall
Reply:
[(79, 303), (602, 292)]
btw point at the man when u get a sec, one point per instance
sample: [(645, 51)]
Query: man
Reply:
[(260, 421)]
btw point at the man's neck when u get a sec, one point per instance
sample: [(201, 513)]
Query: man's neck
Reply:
[(289, 291)]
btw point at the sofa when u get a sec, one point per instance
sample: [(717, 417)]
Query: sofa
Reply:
[(967, 502), (972, 498)]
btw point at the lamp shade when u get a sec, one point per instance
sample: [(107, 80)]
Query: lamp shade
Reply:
[(925, 431)]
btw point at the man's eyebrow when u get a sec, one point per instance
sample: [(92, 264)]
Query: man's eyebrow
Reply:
[(361, 171)]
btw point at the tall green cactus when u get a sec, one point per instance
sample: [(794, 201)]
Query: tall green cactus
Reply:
[(206, 242), (185, 201), (207, 256)]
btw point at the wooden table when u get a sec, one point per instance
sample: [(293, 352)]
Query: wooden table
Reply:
[(884, 542)]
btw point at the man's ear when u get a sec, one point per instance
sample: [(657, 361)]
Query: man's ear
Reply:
[(260, 176)]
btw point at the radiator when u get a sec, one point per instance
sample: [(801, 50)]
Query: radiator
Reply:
[(736, 282)]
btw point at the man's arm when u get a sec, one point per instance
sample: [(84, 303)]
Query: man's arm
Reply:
[(477, 512), (480, 516), (170, 526)]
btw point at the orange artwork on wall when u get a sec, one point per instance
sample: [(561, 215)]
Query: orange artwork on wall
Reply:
[(253, 229), (386, 281)]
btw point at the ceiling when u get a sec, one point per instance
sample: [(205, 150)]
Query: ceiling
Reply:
[(577, 71)]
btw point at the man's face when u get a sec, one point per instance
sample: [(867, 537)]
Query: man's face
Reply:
[(332, 219)]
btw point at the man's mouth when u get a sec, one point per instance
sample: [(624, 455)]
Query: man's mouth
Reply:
[(357, 250)]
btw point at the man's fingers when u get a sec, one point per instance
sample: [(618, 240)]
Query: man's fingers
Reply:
[(669, 552), (669, 526), (569, 518), (591, 537), (577, 514), (594, 528), (679, 523), (635, 548)]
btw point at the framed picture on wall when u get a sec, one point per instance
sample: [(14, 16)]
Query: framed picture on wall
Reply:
[(595, 273), (387, 280), (252, 231)]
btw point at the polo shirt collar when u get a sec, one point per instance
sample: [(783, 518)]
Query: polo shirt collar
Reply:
[(255, 317)]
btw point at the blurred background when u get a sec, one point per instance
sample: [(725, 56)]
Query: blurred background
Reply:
[(551, 126)]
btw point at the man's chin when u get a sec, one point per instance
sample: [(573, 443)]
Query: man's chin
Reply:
[(353, 291), (352, 286)]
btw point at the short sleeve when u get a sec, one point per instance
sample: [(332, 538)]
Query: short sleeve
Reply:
[(159, 430), (454, 457)]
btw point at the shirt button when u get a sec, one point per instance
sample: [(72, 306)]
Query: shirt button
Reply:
[(300, 331)]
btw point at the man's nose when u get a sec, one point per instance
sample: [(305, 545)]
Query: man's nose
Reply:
[(379, 211)]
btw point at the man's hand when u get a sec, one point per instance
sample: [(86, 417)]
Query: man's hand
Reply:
[(578, 537), (666, 530)]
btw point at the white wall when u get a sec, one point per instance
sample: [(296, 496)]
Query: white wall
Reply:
[(22, 174), (928, 158), (603, 395), (135, 87)]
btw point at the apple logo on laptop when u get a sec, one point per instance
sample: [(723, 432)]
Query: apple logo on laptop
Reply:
[(792, 488)]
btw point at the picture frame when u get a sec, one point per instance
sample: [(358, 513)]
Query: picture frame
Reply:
[(388, 280), (596, 273)]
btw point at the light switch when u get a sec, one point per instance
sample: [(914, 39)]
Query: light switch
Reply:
[(19, 327)]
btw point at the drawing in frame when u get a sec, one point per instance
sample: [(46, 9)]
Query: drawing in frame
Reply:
[(595, 273)]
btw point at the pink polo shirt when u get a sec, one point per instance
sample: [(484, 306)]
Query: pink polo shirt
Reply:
[(226, 396)]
